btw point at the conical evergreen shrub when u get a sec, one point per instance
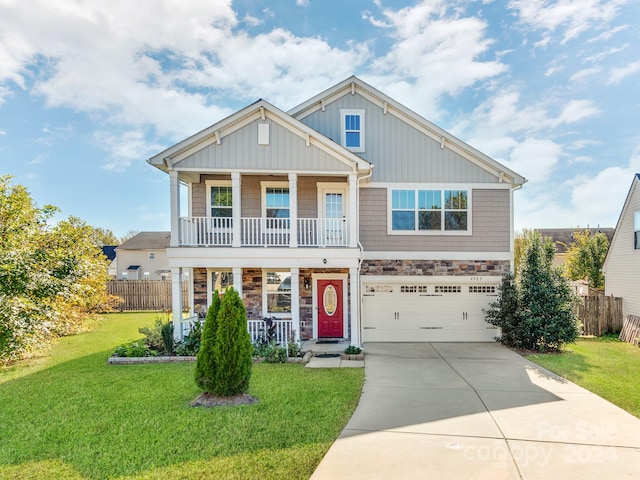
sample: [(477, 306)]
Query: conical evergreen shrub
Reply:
[(205, 361), (233, 349)]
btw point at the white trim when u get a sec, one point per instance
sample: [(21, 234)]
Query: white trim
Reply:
[(345, 305), (419, 279), (343, 133), (265, 301), (423, 255), (438, 186), (332, 187), (216, 183), (442, 232)]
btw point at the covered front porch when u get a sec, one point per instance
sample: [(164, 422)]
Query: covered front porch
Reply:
[(316, 300)]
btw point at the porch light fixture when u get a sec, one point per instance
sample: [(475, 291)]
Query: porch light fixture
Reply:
[(307, 283)]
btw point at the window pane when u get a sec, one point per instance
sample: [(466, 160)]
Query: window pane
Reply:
[(220, 281), (277, 197), (429, 199), (403, 199), (352, 122), (429, 220), (636, 221), (455, 199), (278, 292), (222, 212), (403, 221), (352, 139), (221, 197), (455, 220), (277, 213)]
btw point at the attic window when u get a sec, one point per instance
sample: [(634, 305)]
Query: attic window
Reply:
[(352, 129), (263, 134)]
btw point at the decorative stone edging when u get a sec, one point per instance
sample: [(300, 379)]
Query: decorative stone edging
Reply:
[(159, 359), (352, 356), (178, 359)]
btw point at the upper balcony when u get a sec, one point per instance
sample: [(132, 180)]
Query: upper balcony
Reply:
[(263, 232)]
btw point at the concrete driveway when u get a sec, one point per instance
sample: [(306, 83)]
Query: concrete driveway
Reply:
[(477, 411)]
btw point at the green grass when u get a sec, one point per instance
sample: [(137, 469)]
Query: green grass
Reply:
[(68, 414), (603, 365)]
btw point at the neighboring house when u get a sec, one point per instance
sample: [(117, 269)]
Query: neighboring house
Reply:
[(563, 238), (350, 217), (143, 257), (109, 251), (622, 264)]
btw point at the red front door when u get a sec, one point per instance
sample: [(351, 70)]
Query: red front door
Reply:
[(330, 312)]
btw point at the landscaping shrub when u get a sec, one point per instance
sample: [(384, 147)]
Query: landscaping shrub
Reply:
[(536, 311), (137, 348), (190, 344), (205, 361), (166, 332), (232, 348), (153, 335), (271, 352)]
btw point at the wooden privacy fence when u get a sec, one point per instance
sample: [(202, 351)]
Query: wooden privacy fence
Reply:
[(145, 294), (631, 330), (599, 315)]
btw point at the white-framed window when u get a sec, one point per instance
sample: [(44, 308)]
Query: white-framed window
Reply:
[(220, 203), (636, 230), (218, 279), (276, 292), (276, 204), (425, 211), (352, 129)]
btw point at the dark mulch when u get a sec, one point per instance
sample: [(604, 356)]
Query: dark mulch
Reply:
[(209, 400)]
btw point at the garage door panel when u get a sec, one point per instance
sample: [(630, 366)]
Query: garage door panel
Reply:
[(405, 311)]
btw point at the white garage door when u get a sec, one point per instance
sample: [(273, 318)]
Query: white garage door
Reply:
[(404, 309)]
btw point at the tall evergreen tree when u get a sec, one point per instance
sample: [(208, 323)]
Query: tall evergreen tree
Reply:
[(205, 361), (233, 349)]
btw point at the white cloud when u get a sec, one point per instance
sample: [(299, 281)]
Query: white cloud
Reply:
[(435, 51), (302, 3), (618, 74), (575, 111), (105, 57), (573, 17), (581, 75), (536, 159), (124, 149)]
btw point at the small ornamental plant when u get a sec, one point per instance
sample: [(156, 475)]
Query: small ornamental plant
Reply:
[(205, 360)]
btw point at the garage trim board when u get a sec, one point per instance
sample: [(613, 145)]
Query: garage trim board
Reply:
[(433, 309)]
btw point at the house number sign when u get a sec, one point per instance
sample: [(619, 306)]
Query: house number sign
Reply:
[(330, 300)]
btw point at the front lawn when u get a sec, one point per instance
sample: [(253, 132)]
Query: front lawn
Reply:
[(70, 415), (603, 365)]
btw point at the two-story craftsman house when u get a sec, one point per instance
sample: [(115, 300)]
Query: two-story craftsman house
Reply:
[(350, 216)]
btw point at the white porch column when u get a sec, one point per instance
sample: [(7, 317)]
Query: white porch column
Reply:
[(353, 210), (176, 301), (354, 290), (293, 210), (295, 301), (237, 280), (236, 210), (174, 185)]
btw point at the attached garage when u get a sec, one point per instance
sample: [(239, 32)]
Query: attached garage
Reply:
[(433, 309)]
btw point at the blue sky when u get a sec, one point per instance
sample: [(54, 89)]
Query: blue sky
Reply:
[(89, 89)]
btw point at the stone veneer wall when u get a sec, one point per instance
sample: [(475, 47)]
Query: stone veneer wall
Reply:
[(434, 267), (252, 295)]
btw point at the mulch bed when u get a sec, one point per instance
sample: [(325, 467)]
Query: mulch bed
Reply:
[(209, 400)]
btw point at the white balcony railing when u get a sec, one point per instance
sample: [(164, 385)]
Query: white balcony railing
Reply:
[(264, 232)]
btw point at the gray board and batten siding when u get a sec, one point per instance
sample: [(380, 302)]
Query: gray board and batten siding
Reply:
[(398, 151), (490, 216), (286, 152)]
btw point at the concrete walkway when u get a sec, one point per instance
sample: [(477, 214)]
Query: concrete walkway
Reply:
[(477, 411)]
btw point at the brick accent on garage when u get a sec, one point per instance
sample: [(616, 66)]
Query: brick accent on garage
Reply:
[(434, 267)]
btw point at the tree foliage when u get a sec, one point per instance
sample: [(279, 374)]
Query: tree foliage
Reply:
[(520, 242), (536, 311), (104, 236), (50, 276), (585, 257), (205, 361), (232, 350)]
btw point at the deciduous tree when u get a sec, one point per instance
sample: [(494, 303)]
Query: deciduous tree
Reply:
[(585, 257)]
